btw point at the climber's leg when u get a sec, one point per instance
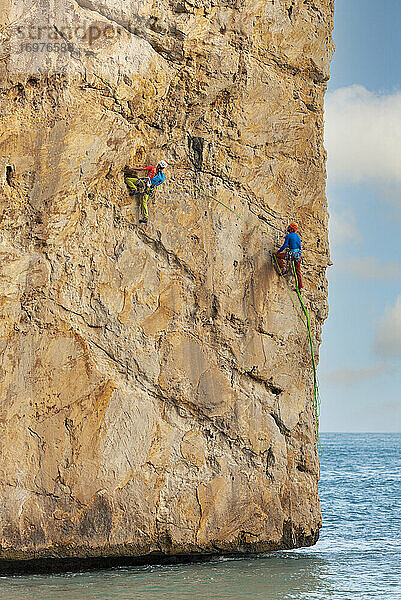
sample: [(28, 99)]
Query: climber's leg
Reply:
[(131, 183), (144, 205), (280, 256), (297, 264)]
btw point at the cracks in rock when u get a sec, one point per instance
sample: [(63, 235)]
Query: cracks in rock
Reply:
[(74, 53), (269, 385), (274, 389), (68, 42), (264, 219), (200, 514), (61, 482), (124, 111), (304, 469), (158, 248), (85, 5), (138, 27), (41, 491), (131, 369), (243, 533), (215, 307), (229, 183), (70, 310), (40, 440), (200, 415), (125, 367), (238, 325), (280, 425), (10, 172), (262, 331), (168, 255), (35, 492), (270, 462), (310, 106), (290, 10), (234, 443), (195, 146), (307, 73)]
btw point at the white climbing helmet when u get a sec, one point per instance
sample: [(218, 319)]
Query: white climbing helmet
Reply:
[(162, 164)]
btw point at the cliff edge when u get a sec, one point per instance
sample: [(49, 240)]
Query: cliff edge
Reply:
[(156, 381)]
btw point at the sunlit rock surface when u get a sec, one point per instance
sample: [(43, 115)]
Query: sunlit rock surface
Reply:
[(156, 382)]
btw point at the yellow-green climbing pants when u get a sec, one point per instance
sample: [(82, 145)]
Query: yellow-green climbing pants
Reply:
[(132, 183), (144, 204)]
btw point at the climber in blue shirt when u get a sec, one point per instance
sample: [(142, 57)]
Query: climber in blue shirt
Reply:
[(158, 179), (292, 245)]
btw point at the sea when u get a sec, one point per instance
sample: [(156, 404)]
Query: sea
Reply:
[(356, 558)]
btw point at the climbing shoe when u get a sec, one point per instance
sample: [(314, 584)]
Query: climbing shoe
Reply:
[(143, 220)]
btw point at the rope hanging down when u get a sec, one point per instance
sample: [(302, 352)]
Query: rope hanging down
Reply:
[(289, 291), (316, 395)]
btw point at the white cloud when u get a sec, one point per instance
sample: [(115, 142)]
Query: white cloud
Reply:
[(347, 376), (342, 228), (388, 332), (363, 135), (371, 268)]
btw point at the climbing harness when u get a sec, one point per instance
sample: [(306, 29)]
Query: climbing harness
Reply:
[(294, 255), (144, 186)]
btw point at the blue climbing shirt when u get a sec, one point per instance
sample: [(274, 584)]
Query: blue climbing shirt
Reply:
[(158, 179), (292, 241)]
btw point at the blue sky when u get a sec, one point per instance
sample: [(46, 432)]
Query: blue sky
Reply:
[(360, 365)]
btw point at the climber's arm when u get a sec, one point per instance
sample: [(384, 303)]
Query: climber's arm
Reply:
[(285, 245)]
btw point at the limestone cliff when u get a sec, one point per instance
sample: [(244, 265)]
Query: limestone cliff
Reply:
[(156, 383)]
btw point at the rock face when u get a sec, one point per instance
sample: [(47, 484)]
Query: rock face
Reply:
[(156, 382)]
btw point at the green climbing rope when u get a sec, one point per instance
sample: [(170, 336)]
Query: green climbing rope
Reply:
[(316, 395), (225, 205), (289, 291)]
